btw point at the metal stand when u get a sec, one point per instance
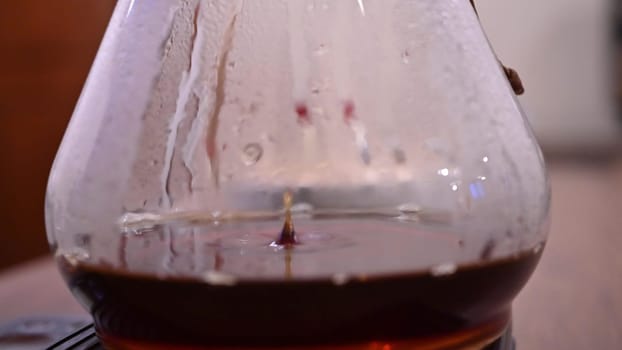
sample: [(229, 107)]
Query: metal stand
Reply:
[(79, 334), (506, 342)]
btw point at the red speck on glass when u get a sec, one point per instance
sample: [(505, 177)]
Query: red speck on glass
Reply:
[(348, 112), (303, 114)]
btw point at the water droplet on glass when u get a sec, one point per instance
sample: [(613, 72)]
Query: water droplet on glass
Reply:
[(488, 249), (216, 217), (444, 269), (443, 172), (321, 50), (399, 156), (455, 186), (252, 153), (82, 240), (406, 57)]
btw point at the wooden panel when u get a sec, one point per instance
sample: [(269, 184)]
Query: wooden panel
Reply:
[(46, 49)]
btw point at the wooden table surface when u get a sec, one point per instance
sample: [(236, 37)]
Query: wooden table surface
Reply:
[(573, 301)]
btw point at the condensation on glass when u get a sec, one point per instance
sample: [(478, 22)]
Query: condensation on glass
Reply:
[(211, 110)]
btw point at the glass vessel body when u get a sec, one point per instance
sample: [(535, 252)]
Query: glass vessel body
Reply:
[(381, 137)]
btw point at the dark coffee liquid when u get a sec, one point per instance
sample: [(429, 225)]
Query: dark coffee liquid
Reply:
[(466, 304)]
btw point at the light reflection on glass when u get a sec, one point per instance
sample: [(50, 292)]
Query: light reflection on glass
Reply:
[(361, 6), (477, 190), (129, 8)]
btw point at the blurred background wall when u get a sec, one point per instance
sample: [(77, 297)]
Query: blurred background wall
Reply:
[(562, 48), (565, 53), (46, 48)]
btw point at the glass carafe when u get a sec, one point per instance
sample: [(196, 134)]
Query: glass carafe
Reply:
[(313, 174)]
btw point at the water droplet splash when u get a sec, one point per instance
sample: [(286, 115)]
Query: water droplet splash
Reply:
[(288, 233)]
